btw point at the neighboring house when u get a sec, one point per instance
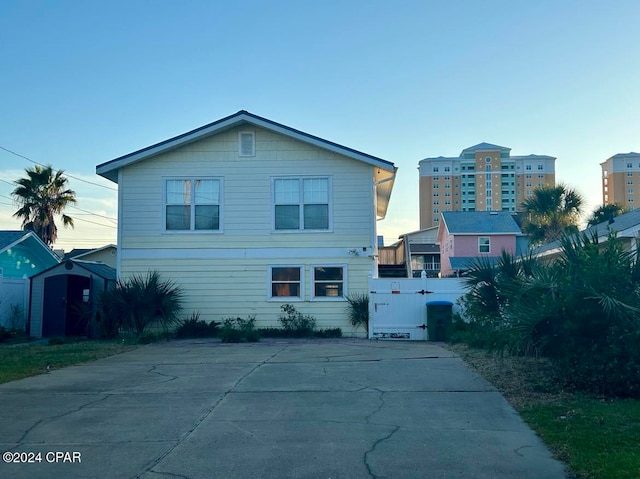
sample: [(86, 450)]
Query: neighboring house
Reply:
[(64, 298), (625, 226), (620, 175), (414, 253), (23, 254), (247, 214), (465, 236), (105, 254), (424, 252)]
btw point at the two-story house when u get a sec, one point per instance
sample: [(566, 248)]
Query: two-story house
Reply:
[(247, 214)]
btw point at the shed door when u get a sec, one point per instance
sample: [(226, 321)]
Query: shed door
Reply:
[(55, 306)]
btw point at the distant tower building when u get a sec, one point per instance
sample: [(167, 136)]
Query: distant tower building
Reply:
[(484, 177), (621, 180)]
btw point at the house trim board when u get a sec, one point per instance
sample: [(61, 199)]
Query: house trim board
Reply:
[(240, 253)]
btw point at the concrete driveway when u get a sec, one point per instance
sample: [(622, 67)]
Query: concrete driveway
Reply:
[(275, 409)]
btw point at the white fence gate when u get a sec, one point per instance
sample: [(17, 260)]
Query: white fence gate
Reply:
[(398, 306), (13, 293)]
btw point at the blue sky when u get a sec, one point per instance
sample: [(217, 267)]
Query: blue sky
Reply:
[(83, 82)]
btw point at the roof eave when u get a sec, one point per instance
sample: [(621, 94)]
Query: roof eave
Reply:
[(109, 169)]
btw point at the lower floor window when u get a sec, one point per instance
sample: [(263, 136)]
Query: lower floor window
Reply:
[(286, 281), (328, 281)]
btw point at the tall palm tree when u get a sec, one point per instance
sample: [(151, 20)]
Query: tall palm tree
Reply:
[(42, 195), (605, 213), (551, 212)]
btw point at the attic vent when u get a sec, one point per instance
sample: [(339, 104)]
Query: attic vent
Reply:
[(247, 141)]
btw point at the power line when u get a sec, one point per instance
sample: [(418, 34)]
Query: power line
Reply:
[(70, 206), (70, 176)]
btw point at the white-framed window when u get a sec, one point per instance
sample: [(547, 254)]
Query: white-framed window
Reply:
[(302, 204), (629, 165), (246, 143), (436, 186), (436, 178), (436, 169), (488, 159), (192, 204), (527, 167), (484, 244), (629, 182), (286, 282), (447, 168), (629, 191), (629, 173), (436, 193), (436, 202), (528, 175), (329, 282)]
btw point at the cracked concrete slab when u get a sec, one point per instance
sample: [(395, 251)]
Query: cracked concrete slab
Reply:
[(279, 408)]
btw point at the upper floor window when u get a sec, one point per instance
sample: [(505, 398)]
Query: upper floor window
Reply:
[(192, 204), (484, 244), (527, 167), (629, 165), (301, 203), (447, 168), (629, 173), (541, 167), (436, 169)]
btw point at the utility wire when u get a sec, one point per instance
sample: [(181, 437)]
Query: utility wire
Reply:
[(70, 206), (70, 176)]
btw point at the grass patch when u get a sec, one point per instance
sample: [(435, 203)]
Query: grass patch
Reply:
[(595, 438), (17, 362)]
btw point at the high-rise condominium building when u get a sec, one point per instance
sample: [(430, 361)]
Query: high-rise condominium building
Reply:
[(484, 177), (621, 180)]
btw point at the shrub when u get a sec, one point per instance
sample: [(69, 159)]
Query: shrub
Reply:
[(238, 330), (16, 317), (328, 333), (580, 312), (139, 302), (286, 333), (194, 327), (294, 322), (359, 310)]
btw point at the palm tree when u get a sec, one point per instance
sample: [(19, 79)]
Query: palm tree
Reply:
[(551, 212), (42, 195), (605, 213)]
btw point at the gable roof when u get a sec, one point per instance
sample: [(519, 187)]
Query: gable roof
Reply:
[(384, 174), (9, 238), (24, 253), (480, 222), (110, 169)]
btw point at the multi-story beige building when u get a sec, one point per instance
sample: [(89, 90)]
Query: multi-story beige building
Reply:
[(621, 180), (484, 177)]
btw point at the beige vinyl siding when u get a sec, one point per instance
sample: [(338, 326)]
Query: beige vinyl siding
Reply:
[(219, 289), (247, 209)]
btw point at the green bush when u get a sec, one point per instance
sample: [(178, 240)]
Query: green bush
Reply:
[(286, 333), (194, 327), (239, 330), (297, 324), (138, 302), (359, 310), (581, 312)]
